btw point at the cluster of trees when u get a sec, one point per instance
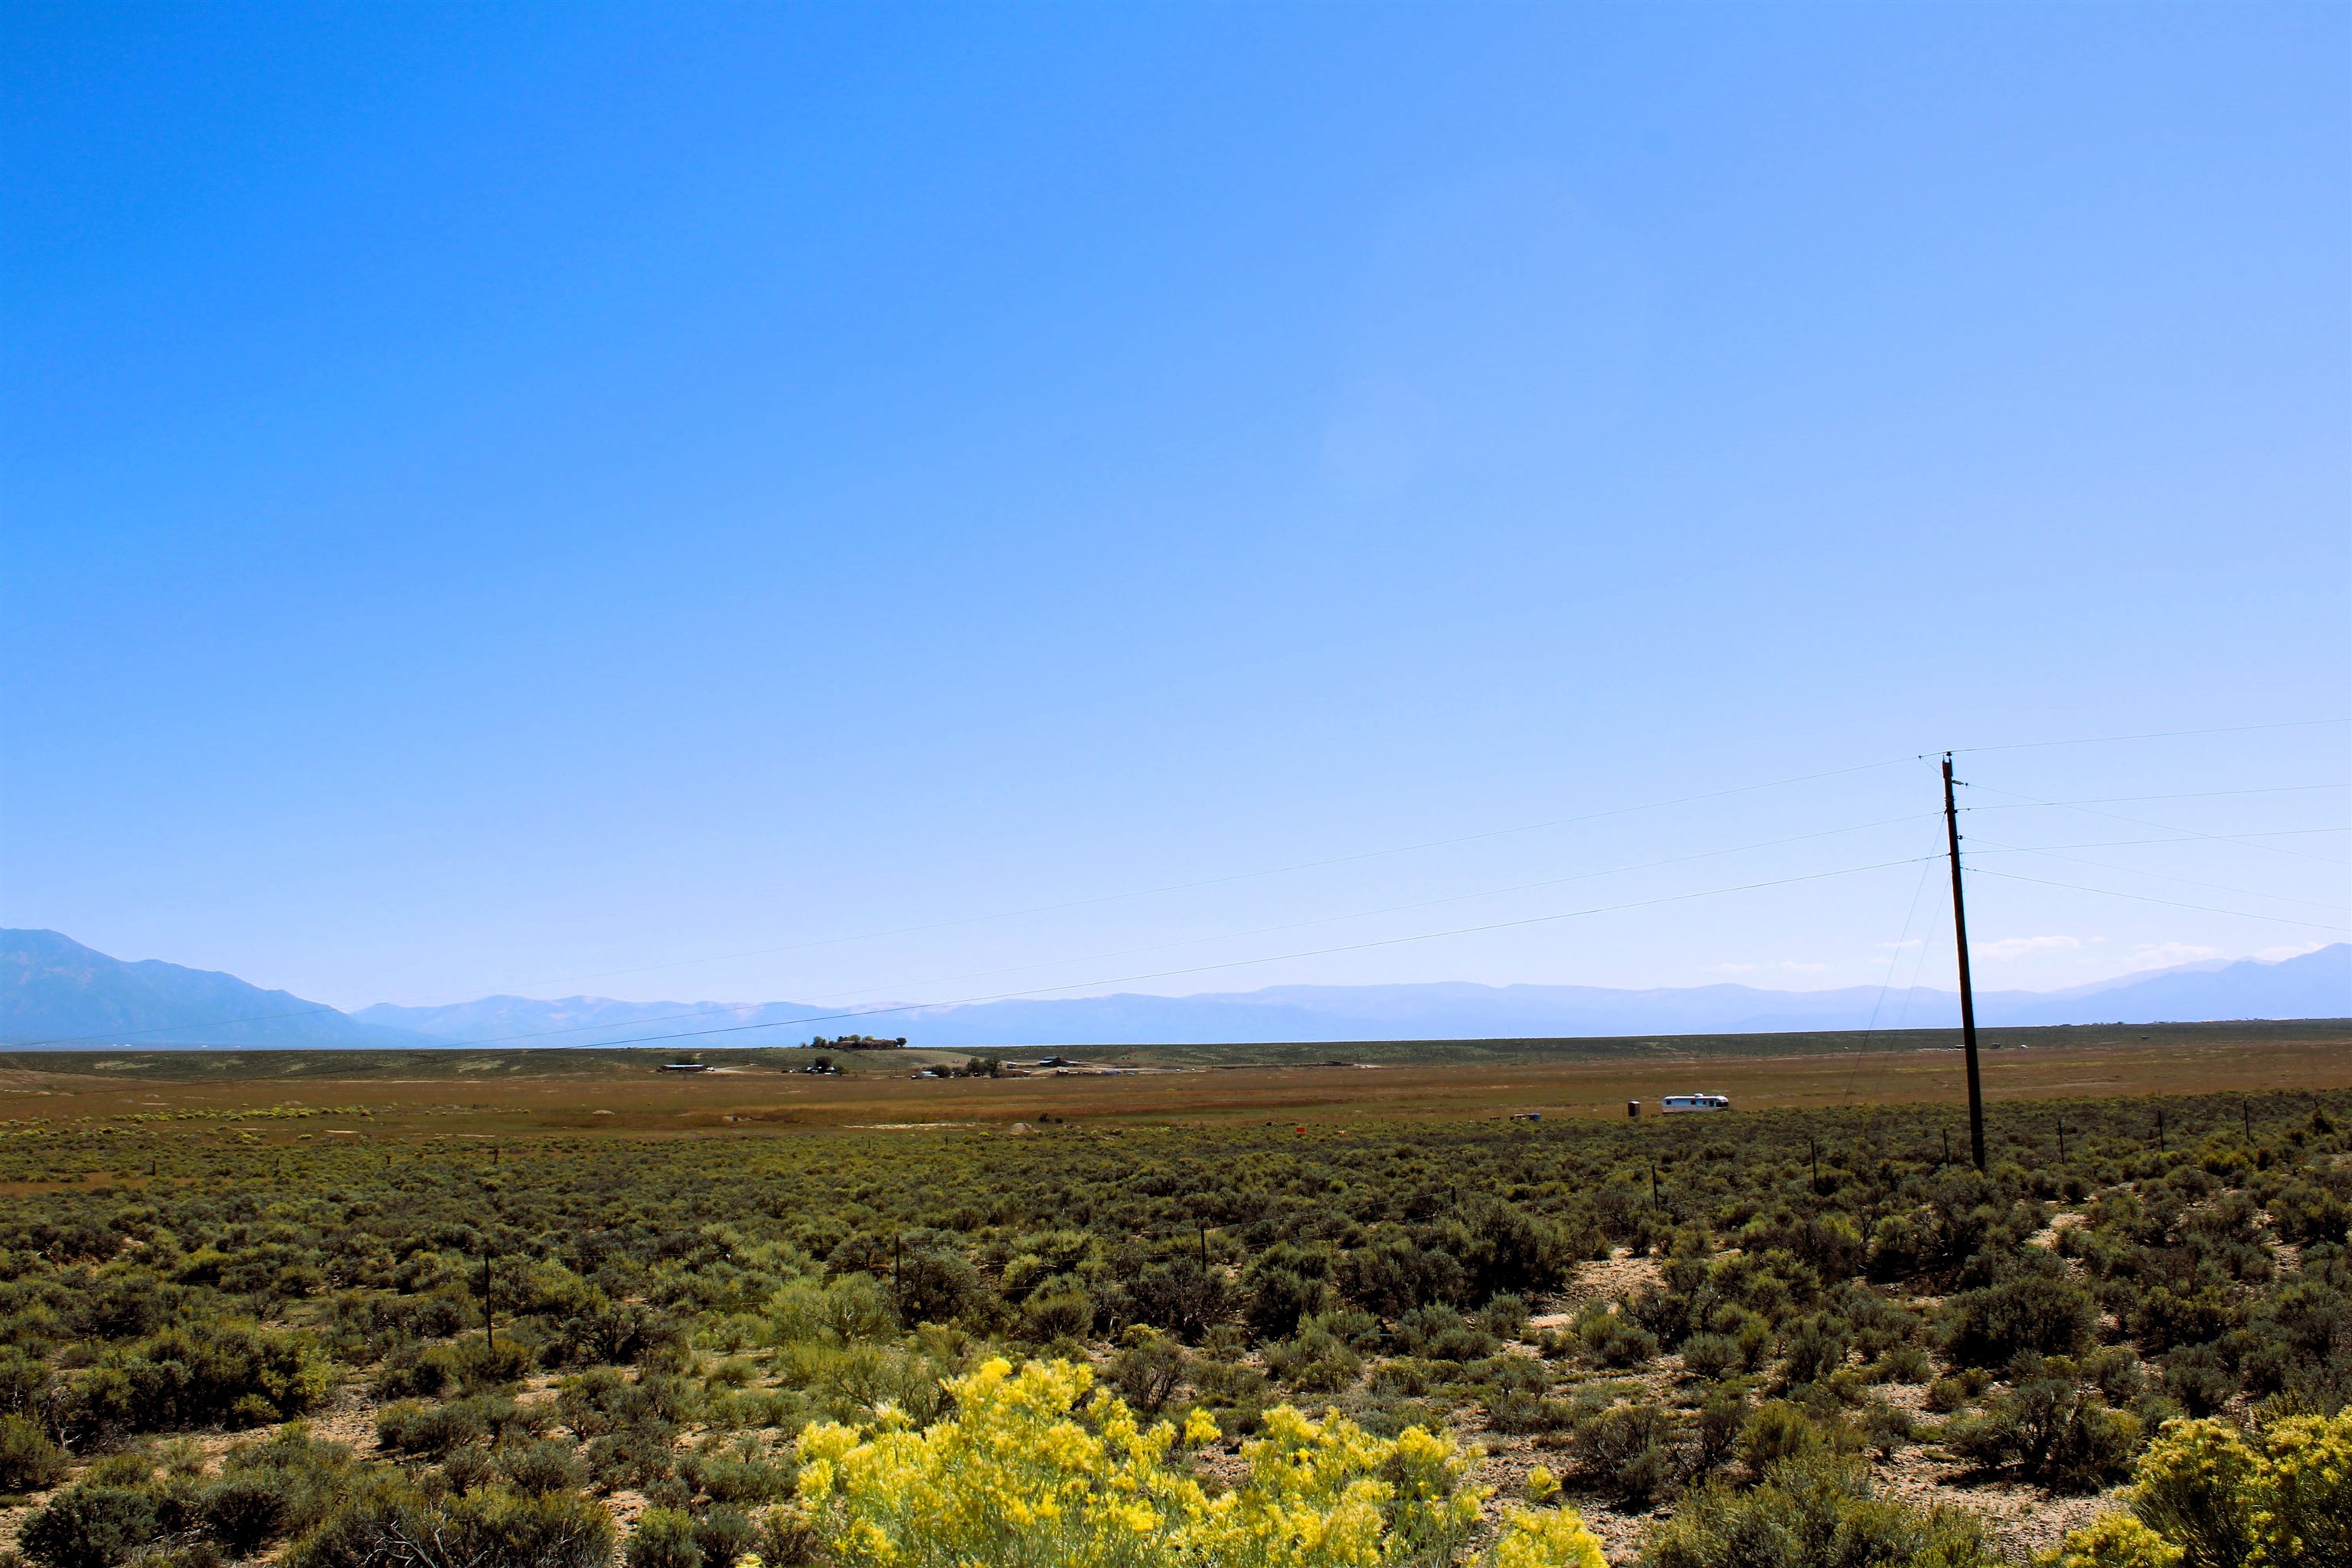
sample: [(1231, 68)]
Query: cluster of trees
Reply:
[(572, 1317)]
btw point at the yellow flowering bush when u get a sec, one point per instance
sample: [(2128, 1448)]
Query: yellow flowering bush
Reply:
[(2278, 1498), (1553, 1539), (1035, 1467), (2114, 1540)]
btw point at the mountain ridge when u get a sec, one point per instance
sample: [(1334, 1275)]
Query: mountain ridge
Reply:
[(56, 992)]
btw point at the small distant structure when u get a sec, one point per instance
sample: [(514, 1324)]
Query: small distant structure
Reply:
[(686, 1066), (1674, 1104), (1527, 1116), (1633, 1110)]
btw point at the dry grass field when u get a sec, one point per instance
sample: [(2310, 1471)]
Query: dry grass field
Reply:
[(507, 1095)]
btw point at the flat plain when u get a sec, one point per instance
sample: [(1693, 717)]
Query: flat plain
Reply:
[(518, 1093)]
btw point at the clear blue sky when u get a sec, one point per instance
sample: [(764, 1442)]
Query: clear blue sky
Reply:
[(544, 498)]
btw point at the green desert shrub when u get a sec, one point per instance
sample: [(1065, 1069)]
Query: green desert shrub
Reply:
[(1612, 1338), (1711, 1356), (664, 1538), (1631, 1448), (1314, 1360), (1814, 1346), (28, 1460), (1438, 1332), (231, 1374), (1814, 1513), (390, 1522), (89, 1526), (2043, 1313), (2053, 1431)]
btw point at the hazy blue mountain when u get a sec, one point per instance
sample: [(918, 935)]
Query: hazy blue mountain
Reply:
[(57, 991), (2317, 985), (54, 991), (2314, 985)]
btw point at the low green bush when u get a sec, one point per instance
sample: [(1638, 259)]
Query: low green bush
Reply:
[(2052, 1429), (88, 1526), (28, 1460), (2043, 1313), (1817, 1511), (392, 1524), (1438, 1332), (228, 1374), (1614, 1339)]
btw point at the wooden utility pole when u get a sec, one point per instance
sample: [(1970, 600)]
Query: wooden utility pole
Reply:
[(1968, 997)]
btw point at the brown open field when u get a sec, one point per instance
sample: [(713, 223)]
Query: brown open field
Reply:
[(406, 1096)]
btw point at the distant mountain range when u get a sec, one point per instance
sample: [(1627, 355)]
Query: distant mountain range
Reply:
[(56, 992)]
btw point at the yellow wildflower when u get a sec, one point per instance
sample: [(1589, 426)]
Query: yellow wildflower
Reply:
[(1554, 1539)]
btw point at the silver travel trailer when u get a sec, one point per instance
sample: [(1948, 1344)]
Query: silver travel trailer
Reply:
[(1675, 1102)]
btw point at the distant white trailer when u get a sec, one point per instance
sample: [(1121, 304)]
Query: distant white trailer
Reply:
[(1677, 1102)]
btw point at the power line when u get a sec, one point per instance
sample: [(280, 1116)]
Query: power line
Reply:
[(2083, 807), (2151, 735), (2123, 799), (1999, 849), (2194, 837), (1246, 962), (1894, 961), (2173, 904)]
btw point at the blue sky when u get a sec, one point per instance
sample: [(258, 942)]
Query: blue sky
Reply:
[(623, 498)]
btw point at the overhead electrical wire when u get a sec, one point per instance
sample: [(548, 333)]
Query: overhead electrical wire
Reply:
[(2125, 799), (2149, 735), (2174, 903), (2195, 837), (1985, 845), (2085, 808), (1894, 959)]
